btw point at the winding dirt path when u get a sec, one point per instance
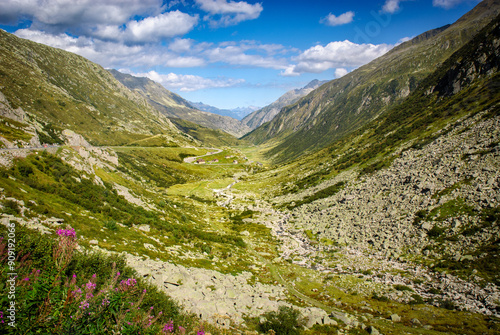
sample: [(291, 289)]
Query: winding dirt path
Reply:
[(190, 160)]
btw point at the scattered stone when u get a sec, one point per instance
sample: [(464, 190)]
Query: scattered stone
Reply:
[(144, 227), (416, 322), (150, 247), (328, 321), (372, 330)]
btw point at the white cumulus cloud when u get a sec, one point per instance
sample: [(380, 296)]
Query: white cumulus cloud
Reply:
[(179, 53), (447, 4), (248, 54), (162, 26), (227, 13), (189, 83), (332, 20), (404, 39), (391, 6), (110, 20), (340, 72), (340, 54), (77, 13), (112, 54), (150, 29)]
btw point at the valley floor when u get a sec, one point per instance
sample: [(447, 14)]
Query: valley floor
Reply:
[(225, 246)]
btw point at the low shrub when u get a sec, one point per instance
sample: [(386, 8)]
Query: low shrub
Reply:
[(400, 287), (286, 321)]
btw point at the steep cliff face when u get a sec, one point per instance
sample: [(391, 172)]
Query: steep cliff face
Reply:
[(172, 105), (346, 104), (480, 58), (267, 113)]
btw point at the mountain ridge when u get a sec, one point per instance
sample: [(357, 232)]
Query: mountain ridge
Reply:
[(347, 103), (173, 105), (58, 90), (237, 113)]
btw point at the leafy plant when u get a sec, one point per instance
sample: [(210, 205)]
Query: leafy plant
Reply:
[(435, 231), (286, 321), (62, 291), (10, 207), (111, 225)]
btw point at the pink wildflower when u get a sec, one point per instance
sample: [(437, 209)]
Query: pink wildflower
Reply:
[(84, 305), (67, 232), (169, 327), (90, 286)]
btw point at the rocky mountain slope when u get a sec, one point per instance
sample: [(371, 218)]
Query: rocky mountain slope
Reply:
[(172, 105), (345, 104), (55, 90), (267, 113), (419, 185)]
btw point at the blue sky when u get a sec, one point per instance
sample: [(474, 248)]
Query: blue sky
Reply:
[(228, 53)]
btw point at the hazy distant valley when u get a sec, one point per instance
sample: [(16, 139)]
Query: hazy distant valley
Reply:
[(369, 204)]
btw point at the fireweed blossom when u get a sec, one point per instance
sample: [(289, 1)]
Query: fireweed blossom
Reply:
[(126, 285), (169, 327), (67, 232), (67, 244), (77, 299), (84, 304), (90, 286)]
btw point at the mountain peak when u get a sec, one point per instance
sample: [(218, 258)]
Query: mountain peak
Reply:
[(267, 113)]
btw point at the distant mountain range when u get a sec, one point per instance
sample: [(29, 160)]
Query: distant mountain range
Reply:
[(172, 105), (237, 122), (263, 115), (237, 113)]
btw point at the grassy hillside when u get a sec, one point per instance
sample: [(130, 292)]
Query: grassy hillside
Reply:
[(207, 136), (69, 92), (461, 94), (424, 112)]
